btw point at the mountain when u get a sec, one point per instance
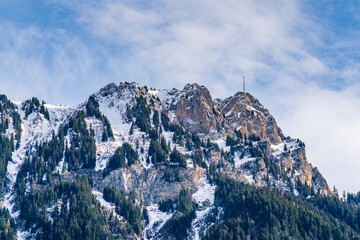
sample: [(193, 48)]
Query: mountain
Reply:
[(136, 162)]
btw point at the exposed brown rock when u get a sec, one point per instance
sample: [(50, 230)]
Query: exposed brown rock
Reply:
[(244, 112), (150, 184), (197, 113), (319, 181), (301, 165), (286, 161)]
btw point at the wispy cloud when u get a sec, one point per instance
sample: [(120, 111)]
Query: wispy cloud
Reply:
[(328, 121), (205, 41), (50, 64)]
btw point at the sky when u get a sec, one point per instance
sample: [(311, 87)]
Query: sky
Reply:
[(301, 59)]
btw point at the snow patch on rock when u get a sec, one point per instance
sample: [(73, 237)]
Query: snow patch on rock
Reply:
[(36, 129), (157, 219), (108, 206), (240, 161), (204, 197)]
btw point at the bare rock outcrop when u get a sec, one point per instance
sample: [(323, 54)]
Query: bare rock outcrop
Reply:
[(319, 181), (245, 113), (197, 113), (151, 184)]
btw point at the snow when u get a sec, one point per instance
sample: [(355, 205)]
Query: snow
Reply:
[(230, 112), (250, 178), (279, 148), (108, 206), (56, 107), (114, 108), (163, 95), (188, 122), (31, 131), (35, 129), (22, 235), (204, 197), (173, 116), (145, 145), (16, 102), (104, 150), (250, 108), (154, 91), (157, 218), (61, 164), (222, 145), (168, 97), (296, 192), (51, 209), (205, 192), (96, 125), (190, 163), (168, 136), (59, 114), (239, 162)]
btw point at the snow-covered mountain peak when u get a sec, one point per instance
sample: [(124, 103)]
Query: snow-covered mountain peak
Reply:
[(117, 90), (124, 90), (193, 86), (154, 143)]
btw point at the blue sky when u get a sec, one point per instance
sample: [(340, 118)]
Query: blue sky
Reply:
[(300, 58)]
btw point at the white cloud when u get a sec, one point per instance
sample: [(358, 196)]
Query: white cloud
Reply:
[(48, 64), (328, 122), (178, 42)]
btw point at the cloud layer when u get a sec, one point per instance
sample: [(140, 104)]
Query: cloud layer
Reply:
[(205, 41)]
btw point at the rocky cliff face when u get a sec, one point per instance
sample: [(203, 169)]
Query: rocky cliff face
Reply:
[(196, 112), (319, 182), (150, 184), (193, 108), (247, 114)]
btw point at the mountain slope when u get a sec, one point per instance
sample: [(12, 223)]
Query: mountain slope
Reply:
[(152, 158)]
